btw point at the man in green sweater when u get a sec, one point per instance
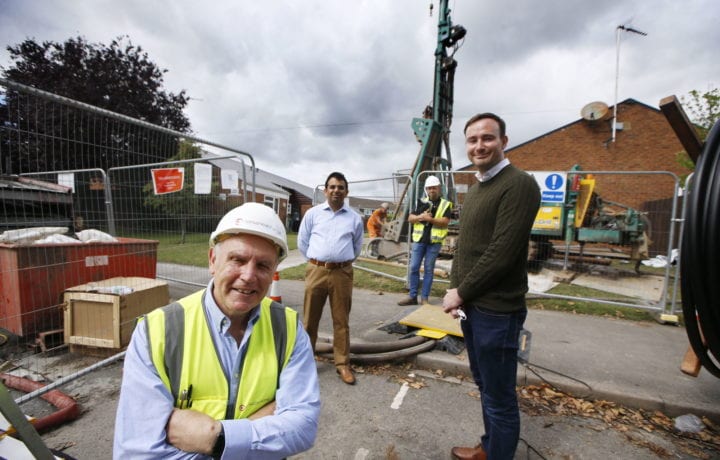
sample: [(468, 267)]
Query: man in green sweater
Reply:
[(489, 281)]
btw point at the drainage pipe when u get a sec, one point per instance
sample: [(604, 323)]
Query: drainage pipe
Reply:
[(68, 408)]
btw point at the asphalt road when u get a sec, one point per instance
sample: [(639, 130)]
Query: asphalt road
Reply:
[(378, 419), (394, 412)]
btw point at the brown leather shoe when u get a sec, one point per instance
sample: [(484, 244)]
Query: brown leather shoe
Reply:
[(469, 453), (346, 374)]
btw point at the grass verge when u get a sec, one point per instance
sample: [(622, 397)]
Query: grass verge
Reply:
[(194, 252)]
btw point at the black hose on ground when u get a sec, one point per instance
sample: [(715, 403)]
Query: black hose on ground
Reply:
[(700, 260), (324, 345), (382, 357)]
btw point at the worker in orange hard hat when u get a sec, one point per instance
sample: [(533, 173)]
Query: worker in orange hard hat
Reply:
[(376, 221)]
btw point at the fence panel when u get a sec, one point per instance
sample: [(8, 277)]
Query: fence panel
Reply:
[(71, 172)]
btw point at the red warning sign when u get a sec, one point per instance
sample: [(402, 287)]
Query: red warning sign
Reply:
[(168, 180)]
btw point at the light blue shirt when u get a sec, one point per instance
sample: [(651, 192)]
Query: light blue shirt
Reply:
[(145, 403), (331, 236)]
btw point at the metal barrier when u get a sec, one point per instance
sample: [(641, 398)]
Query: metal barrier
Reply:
[(666, 214), (66, 164), (106, 160)]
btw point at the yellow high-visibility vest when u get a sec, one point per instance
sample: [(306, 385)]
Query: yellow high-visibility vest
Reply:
[(185, 357), (437, 235)]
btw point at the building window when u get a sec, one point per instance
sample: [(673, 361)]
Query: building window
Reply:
[(272, 202)]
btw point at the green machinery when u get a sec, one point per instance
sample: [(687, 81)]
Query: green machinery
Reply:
[(432, 131), (573, 212)]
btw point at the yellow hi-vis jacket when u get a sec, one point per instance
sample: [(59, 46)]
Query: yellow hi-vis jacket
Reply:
[(187, 362), (437, 235)]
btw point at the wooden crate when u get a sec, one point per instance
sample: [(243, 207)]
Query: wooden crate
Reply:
[(102, 314)]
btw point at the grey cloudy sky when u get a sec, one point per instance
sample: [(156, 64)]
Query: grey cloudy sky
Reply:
[(308, 87)]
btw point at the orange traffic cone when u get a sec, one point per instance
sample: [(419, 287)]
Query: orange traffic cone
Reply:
[(275, 289)]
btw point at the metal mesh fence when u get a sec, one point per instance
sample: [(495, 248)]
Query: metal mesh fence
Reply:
[(90, 201), (86, 171)]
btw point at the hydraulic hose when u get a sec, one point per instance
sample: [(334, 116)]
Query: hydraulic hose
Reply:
[(700, 256), (324, 345), (377, 352), (388, 355)]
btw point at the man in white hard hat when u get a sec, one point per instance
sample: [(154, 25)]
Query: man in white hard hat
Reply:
[(376, 221), (225, 372), (429, 221)]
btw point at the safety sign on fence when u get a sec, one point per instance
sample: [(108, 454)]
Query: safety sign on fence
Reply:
[(552, 185), (168, 180)]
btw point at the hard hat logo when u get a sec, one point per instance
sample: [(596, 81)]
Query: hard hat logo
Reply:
[(253, 219)]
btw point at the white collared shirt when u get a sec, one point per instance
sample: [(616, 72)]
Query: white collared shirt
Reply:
[(492, 172)]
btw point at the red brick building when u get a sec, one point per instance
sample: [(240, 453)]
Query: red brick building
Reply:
[(644, 141)]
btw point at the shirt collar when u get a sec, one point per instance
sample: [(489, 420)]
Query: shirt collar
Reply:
[(343, 209), (492, 172), (216, 317)]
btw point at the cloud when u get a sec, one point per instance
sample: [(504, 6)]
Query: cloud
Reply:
[(315, 86)]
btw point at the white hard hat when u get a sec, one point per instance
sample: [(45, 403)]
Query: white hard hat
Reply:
[(254, 219), (432, 181), (385, 205)]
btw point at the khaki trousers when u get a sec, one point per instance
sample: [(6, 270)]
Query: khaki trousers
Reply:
[(336, 284)]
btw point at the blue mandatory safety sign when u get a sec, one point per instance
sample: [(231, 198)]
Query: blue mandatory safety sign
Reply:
[(552, 185), (554, 181)]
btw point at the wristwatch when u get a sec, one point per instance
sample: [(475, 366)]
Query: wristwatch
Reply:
[(219, 446)]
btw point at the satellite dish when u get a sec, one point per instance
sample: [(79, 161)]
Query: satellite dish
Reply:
[(595, 111)]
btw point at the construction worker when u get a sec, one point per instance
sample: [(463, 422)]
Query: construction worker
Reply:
[(376, 221), (225, 372), (430, 220)]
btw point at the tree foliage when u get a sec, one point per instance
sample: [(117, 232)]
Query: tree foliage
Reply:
[(704, 109), (41, 134), (119, 77)]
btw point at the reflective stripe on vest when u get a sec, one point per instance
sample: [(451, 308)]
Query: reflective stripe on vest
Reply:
[(187, 356), (437, 234)]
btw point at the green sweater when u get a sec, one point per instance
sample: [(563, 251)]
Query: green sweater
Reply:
[(489, 267)]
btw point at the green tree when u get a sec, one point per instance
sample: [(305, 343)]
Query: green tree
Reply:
[(704, 109), (120, 78)]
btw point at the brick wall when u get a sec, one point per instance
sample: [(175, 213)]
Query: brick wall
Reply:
[(646, 143)]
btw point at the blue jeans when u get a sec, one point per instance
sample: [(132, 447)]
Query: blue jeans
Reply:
[(492, 344), (429, 253)]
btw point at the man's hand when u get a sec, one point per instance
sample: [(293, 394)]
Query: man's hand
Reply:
[(451, 302), (192, 431)]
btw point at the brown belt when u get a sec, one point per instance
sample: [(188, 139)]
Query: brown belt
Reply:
[(330, 265)]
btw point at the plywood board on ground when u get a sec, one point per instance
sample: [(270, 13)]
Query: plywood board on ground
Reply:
[(646, 287), (432, 317)]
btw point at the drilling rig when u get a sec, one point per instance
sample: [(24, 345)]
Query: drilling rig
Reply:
[(432, 131)]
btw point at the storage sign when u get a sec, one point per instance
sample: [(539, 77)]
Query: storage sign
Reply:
[(552, 185)]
